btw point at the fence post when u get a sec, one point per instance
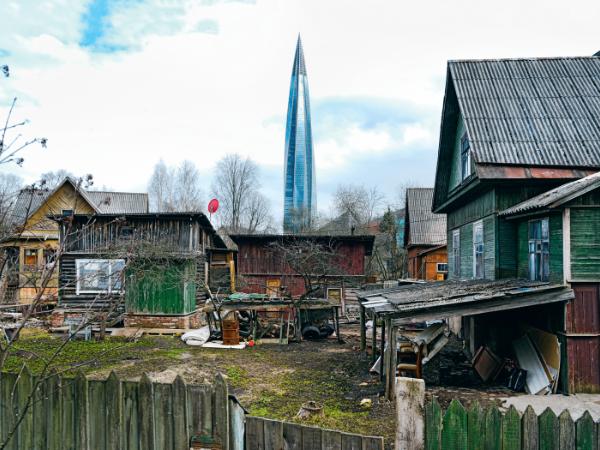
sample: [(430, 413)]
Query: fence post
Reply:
[(475, 426), (113, 411), (493, 429), (82, 411), (221, 411), (24, 390), (410, 408), (146, 413), (586, 432), (511, 430), (180, 426)]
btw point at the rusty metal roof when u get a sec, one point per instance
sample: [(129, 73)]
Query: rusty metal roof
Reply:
[(423, 226), (537, 112), (433, 300), (557, 196)]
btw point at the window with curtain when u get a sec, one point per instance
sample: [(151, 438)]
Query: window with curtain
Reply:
[(539, 250)]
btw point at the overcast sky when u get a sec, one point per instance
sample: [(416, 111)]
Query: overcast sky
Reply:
[(115, 85)]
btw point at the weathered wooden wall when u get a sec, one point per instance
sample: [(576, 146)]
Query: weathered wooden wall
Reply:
[(585, 244), (475, 428), (265, 434), (81, 414)]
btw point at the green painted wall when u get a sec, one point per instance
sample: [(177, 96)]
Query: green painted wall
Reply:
[(166, 288), (585, 243), (455, 169), (476, 209), (466, 251), (556, 248), (506, 245)]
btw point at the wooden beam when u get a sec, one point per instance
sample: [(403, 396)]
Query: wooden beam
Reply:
[(392, 361), (363, 330), (374, 340), (382, 350)]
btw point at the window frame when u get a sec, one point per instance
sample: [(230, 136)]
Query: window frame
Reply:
[(465, 157), (541, 273), (437, 267), (35, 253), (456, 252), (79, 263), (478, 224)]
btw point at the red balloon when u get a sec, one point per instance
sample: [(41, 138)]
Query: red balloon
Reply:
[(213, 205)]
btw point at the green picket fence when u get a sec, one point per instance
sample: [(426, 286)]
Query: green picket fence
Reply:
[(476, 428), (112, 414)]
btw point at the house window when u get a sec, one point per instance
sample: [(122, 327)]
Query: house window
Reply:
[(30, 257), (49, 256), (478, 269), (442, 267), (465, 157), (67, 212), (95, 276), (456, 251), (539, 250)]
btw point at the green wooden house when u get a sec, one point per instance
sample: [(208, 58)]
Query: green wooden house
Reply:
[(519, 149)]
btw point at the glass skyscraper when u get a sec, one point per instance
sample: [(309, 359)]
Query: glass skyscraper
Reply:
[(300, 196)]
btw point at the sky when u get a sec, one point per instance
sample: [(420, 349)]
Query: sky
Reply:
[(116, 85)]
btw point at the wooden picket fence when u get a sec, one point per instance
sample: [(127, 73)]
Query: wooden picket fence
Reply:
[(112, 414), (266, 434), (475, 428)]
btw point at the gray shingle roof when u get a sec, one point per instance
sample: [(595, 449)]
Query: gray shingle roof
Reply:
[(543, 111), (425, 227), (557, 196)]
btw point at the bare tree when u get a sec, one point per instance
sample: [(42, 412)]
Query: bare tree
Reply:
[(236, 186), (358, 203), (189, 195), (9, 190), (53, 179), (12, 142), (257, 214), (161, 189)]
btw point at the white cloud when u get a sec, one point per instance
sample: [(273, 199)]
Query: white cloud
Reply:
[(178, 93)]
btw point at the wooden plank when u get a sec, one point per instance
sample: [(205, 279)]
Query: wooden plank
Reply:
[(390, 377), (374, 339), (181, 439), (273, 434), (53, 414), (566, 431), (433, 425), (23, 392), (113, 412), (372, 443), (292, 436), (146, 413), (349, 442), (493, 429), (97, 414), (530, 429), (237, 417), (311, 438), (39, 415), (221, 411), (69, 423), (7, 419), (548, 429), (363, 331), (454, 428), (163, 416), (586, 432), (331, 440), (130, 429), (206, 408), (81, 411), (511, 430), (255, 435), (475, 427)]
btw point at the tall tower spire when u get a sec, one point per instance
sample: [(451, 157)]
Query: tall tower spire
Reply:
[(300, 196)]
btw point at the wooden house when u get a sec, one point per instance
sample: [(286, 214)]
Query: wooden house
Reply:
[(424, 237), (512, 131), (148, 269), (32, 245), (263, 270), (519, 147)]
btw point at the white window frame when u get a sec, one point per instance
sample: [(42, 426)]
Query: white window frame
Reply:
[(80, 263), (456, 262), (478, 224), (465, 157), (539, 249), (437, 267)]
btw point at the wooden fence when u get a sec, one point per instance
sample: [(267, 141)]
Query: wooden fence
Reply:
[(81, 414), (475, 428), (265, 434)]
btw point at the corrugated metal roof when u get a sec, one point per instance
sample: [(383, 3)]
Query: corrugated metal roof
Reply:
[(540, 111), (556, 196), (425, 227), (119, 202)]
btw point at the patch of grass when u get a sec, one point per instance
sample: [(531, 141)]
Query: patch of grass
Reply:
[(238, 376)]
